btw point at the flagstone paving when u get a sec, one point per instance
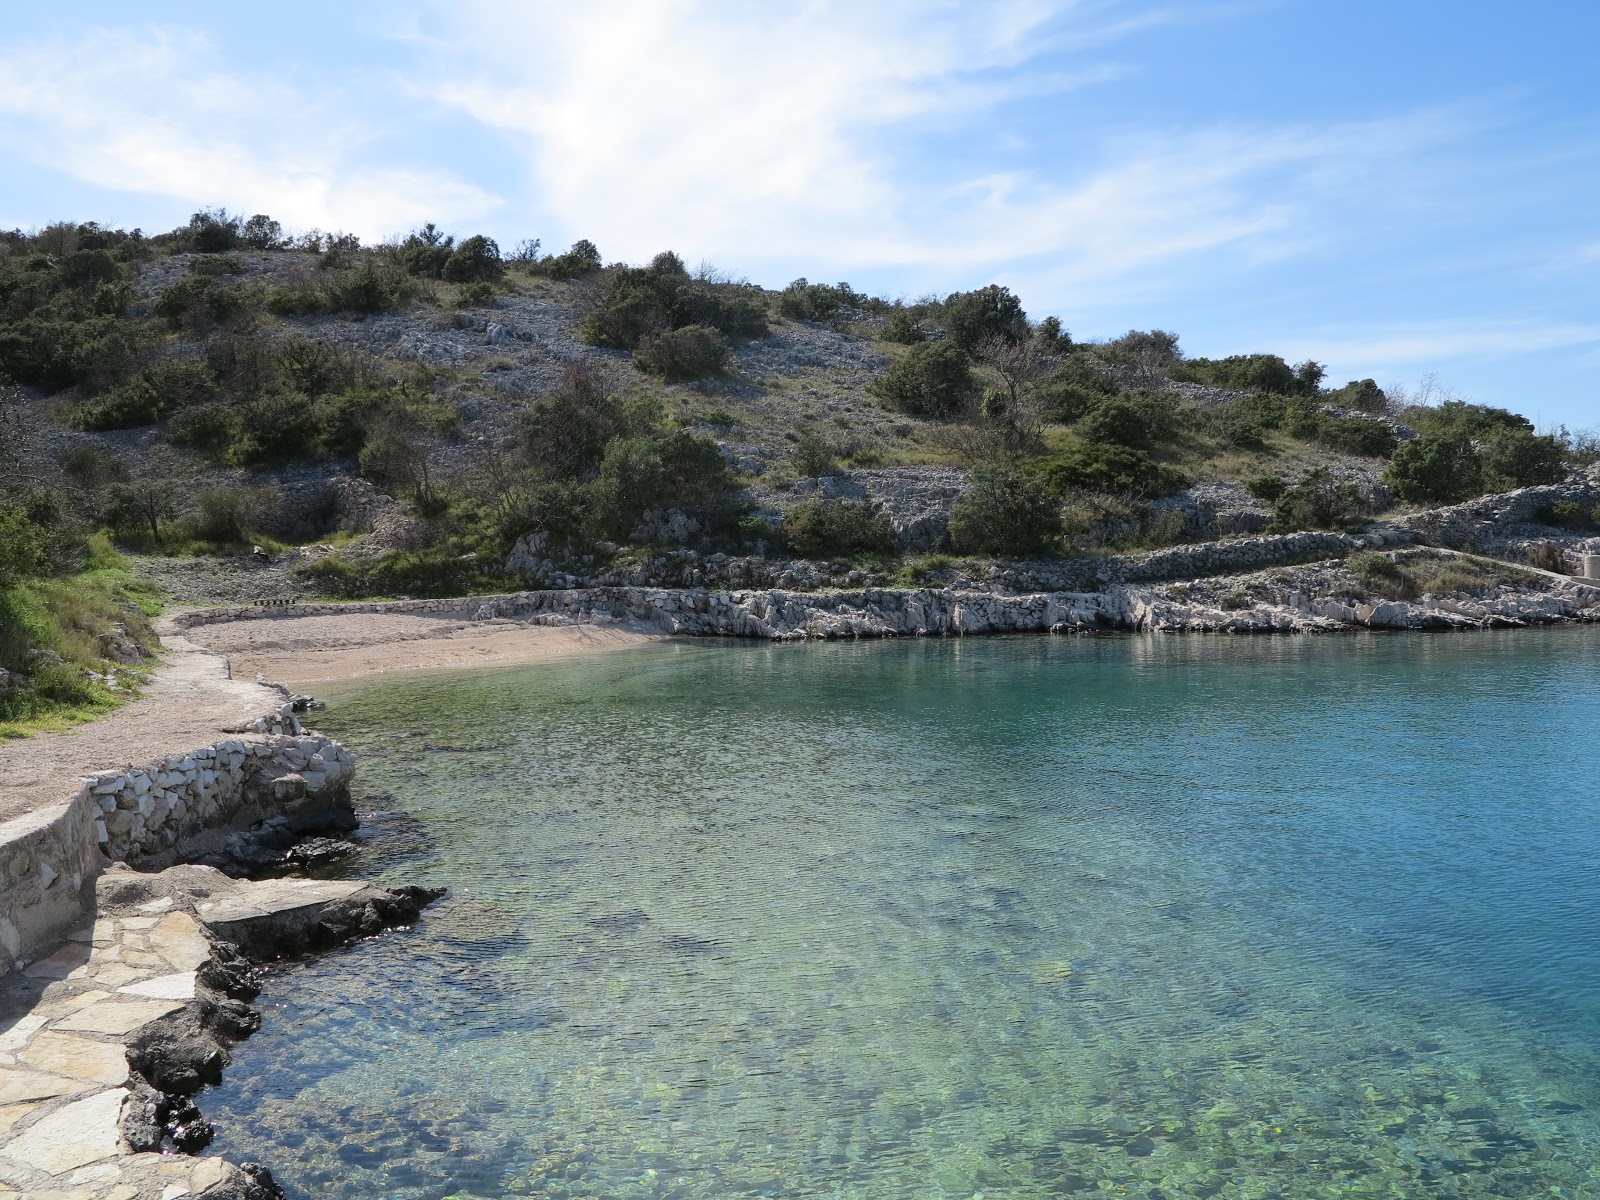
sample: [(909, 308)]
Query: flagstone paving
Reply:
[(64, 1024)]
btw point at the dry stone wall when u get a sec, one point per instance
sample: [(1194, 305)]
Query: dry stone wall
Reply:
[(148, 815)]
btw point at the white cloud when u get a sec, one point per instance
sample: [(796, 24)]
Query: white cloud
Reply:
[(723, 131), (1421, 345), (147, 114)]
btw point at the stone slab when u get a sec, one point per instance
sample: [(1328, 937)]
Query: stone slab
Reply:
[(82, 1132), (164, 987), (117, 1015), (78, 1058)]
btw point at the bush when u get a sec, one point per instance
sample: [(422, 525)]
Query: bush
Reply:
[(583, 259), (1513, 458), (476, 294), (903, 328), (563, 434), (1319, 501), (640, 473), (1269, 488), (22, 546), (1355, 435), (1117, 423), (1076, 388), (1005, 513), (212, 231), (1569, 514), (211, 265), (1435, 469), (1253, 373), (805, 301), (475, 260), (643, 300), (1363, 395), (426, 251), (933, 379), (987, 313), (816, 529), (221, 517), (1107, 467), (812, 457), (1154, 348), (199, 301), (691, 352), (207, 427)]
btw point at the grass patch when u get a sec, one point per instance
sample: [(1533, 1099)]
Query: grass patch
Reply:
[(57, 634)]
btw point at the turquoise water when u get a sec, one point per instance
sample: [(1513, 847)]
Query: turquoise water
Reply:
[(1031, 917)]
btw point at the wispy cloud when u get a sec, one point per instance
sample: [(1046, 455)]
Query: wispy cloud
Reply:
[(1448, 341), (722, 132), (150, 113)]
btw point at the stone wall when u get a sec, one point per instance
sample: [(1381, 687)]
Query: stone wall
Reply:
[(149, 815)]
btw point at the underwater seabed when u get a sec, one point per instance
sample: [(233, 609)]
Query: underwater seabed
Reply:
[(1013, 917)]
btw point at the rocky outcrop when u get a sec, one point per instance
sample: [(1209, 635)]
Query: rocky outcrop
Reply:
[(1493, 523)]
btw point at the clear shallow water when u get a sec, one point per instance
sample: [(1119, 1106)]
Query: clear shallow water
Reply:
[(1021, 917)]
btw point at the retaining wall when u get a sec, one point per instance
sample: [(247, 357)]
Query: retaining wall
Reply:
[(146, 815)]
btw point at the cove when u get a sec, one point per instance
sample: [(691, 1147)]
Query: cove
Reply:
[(1018, 917)]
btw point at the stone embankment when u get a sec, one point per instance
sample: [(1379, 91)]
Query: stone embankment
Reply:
[(103, 1039), (107, 1039)]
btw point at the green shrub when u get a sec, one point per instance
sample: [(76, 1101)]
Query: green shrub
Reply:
[(1363, 395), (1569, 514), (1319, 501), (643, 300), (1438, 469), (1155, 348), (1461, 419), (806, 301), (1380, 572), (1005, 513), (691, 352), (366, 290), (563, 434), (476, 260), (558, 508), (639, 473), (1117, 423), (476, 294), (903, 328), (1513, 458), (199, 301), (1356, 435), (261, 232), (1269, 488), (425, 252), (1076, 388), (212, 231), (208, 427), (812, 456), (221, 516), (581, 260), (987, 313), (22, 546), (1108, 467), (932, 379), (820, 529), (1252, 373)]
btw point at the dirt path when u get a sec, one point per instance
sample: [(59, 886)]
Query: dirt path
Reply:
[(191, 703), (302, 652)]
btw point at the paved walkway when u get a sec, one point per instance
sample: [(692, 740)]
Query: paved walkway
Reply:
[(191, 702)]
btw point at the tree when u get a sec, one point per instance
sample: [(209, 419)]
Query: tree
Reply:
[(476, 259), (398, 453), (932, 379), (261, 232), (563, 434), (1021, 365), (979, 316), (1004, 513), (1438, 468)]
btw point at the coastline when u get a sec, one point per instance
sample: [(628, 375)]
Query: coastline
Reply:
[(273, 766)]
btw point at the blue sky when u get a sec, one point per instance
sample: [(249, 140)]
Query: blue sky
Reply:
[(1399, 190)]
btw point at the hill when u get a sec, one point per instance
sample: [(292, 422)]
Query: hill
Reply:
[(241, 416)]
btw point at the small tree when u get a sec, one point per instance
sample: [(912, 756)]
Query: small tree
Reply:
[(692, 352), (812, 456), (982, 315), (1005, 513), (1440, 469), (932, 379), (476, 259)]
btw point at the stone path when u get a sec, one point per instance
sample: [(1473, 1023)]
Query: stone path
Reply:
[(66, 1022)]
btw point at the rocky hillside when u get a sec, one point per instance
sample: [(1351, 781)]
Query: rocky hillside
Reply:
[(253, 417)]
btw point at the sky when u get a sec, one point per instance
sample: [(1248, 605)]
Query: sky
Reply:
[(1404, 191)]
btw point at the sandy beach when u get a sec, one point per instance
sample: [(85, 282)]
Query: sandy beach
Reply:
[(301, 652)]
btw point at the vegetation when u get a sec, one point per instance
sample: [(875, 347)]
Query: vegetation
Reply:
[(1005, 513), (839, 528)]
